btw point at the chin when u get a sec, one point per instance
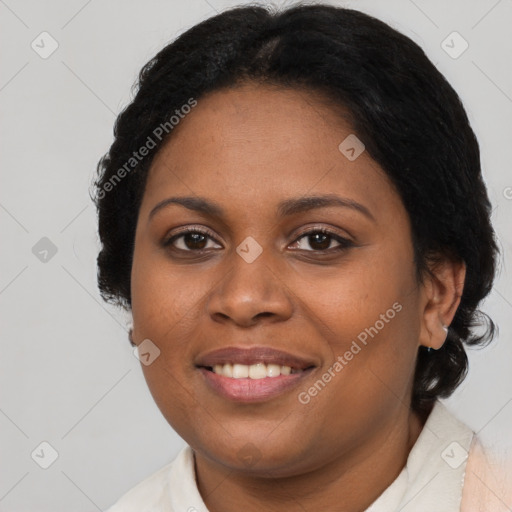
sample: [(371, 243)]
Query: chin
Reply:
[(255, 455)]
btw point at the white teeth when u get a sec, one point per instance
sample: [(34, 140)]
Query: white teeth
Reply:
[(227, 370), (253, 371), (257, 371), (240, 371), (286, 370), (273, 370)]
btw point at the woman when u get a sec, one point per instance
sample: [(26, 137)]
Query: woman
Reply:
[(303, 244)]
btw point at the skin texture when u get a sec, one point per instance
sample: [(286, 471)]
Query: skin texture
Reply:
[(248, 148)]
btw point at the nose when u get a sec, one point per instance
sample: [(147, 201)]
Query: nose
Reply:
[(250, 292)]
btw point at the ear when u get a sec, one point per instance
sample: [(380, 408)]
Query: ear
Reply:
[(441, 296)]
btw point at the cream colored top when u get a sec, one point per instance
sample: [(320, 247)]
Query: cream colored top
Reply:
[(445, 462)]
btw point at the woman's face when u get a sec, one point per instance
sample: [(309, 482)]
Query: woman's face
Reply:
[(264, 283)]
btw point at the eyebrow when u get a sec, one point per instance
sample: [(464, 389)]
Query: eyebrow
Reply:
[(285, 208)]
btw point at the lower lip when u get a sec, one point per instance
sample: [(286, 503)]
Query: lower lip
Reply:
[(252, 390)]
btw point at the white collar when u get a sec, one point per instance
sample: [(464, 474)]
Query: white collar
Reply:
[(431, 480), (433, 476)]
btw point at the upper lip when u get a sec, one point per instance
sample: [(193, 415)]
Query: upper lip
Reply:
[(252, 355)]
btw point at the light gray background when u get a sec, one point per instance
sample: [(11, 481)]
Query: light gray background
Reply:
[(68, 374)]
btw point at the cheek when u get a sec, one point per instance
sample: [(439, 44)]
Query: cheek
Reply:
[(368, 375), (187, 413), (165, 298), (363, 298), (368, 322)]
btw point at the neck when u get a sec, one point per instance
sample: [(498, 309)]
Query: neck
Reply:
[(354, 480)]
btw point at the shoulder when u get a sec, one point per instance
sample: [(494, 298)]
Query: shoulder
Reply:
[(488, 480)]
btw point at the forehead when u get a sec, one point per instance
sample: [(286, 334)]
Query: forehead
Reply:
[(257, 144)]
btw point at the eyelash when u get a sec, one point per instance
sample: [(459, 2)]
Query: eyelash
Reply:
[(344, 243)]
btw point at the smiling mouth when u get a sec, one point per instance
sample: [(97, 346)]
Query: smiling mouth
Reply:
[(253, 374), (250, 383), (253, 371)]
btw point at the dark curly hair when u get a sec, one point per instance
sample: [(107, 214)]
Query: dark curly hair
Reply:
[(411, 120)]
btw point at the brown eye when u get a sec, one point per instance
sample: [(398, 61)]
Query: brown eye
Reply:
[(321, 239), (191, 240)]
